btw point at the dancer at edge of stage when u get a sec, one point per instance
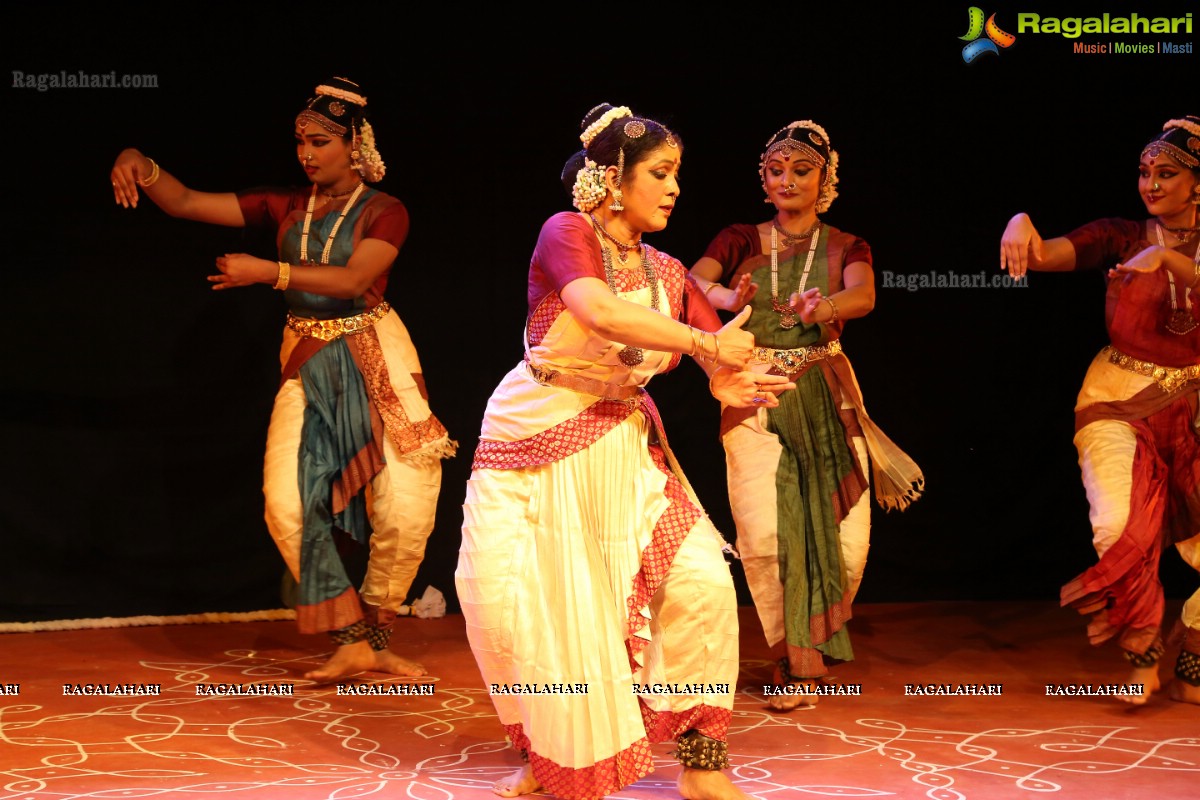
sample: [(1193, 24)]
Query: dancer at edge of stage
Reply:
[(353, 451), (1137, 428), (586, 558), (798, 472)]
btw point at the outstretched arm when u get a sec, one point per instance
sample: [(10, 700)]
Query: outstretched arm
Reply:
[(370, 259), (133, 171), (1022, 249), (707, 272)]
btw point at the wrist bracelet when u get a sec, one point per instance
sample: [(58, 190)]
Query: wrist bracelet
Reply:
[(710, 287), (710, 380), (833, 307), (150, 181), (283, 276)]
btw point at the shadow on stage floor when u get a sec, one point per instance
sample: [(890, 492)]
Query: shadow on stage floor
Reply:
[(448, 745)]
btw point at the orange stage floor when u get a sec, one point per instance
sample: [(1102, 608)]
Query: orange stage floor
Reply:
[(449, 745)]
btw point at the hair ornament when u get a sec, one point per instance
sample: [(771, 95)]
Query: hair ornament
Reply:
[(589, 189), (342, 94), (787, 145), (1180, 140), (593, 130), (365, 156), (635, 129)]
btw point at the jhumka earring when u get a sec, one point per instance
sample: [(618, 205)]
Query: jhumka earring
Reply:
[(618, 195)]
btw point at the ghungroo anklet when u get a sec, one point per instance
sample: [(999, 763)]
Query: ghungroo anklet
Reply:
[(349, 634), (1187, 668), (378, 637), (697, 751), (1148, 658)]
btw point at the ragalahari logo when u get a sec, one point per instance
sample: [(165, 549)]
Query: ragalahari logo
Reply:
[(976, 27)]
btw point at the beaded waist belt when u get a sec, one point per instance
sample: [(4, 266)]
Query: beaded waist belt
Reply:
[(794, 360), (329, 329), (583, 385), (1169, 379)]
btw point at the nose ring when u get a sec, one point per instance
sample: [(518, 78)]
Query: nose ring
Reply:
[(308, 156), (1155, 187), (789, 187)]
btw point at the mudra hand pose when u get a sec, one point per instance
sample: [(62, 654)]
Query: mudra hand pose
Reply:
[(798, 472), (351, 418), (1136, 423), (586, 558)]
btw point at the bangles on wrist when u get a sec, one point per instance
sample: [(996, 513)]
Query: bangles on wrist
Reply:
[(283, 276), (146, 183)]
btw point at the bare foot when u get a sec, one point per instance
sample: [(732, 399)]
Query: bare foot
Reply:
[(519, 783), (347, 660), (708, 784), (387, 661), (1184, 692), (796, 694), (1148, 678)]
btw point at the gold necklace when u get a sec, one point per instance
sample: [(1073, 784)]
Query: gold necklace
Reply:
[(1181, 322), (787, 314), (623, 248), (790, 239), (308, 215), (630, 356)]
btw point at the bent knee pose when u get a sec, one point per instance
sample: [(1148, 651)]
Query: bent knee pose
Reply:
[(799, 473), (353, 451), (1136, 417), (586, 559)]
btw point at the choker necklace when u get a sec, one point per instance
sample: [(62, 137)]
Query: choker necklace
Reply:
[(791, 238), (630, 356), (1181, 322), (1184, 235), (787, 314), (622, 248), (308, 215), (336, 195)]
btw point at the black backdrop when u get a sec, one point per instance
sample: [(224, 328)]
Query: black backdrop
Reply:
[(135, 400)]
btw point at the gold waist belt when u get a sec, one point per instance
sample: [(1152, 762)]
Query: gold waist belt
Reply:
[(1169, 379), (329, 329), (794, 360), (583, 385)]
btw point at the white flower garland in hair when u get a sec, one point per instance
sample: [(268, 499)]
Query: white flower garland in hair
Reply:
[(829, 187), (1189, 126), (342, 94), (593, 130), (590, 189), (370, 164)]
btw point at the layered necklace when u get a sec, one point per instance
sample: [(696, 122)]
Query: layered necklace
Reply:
[(787, 314), (630, 356), (1181, 322), (623, 248), (308, 215)]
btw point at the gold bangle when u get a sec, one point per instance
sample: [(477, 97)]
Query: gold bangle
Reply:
[(710, 287), (833, 307), (692, 335), (710, 380), (283, 276), (154, 173)]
